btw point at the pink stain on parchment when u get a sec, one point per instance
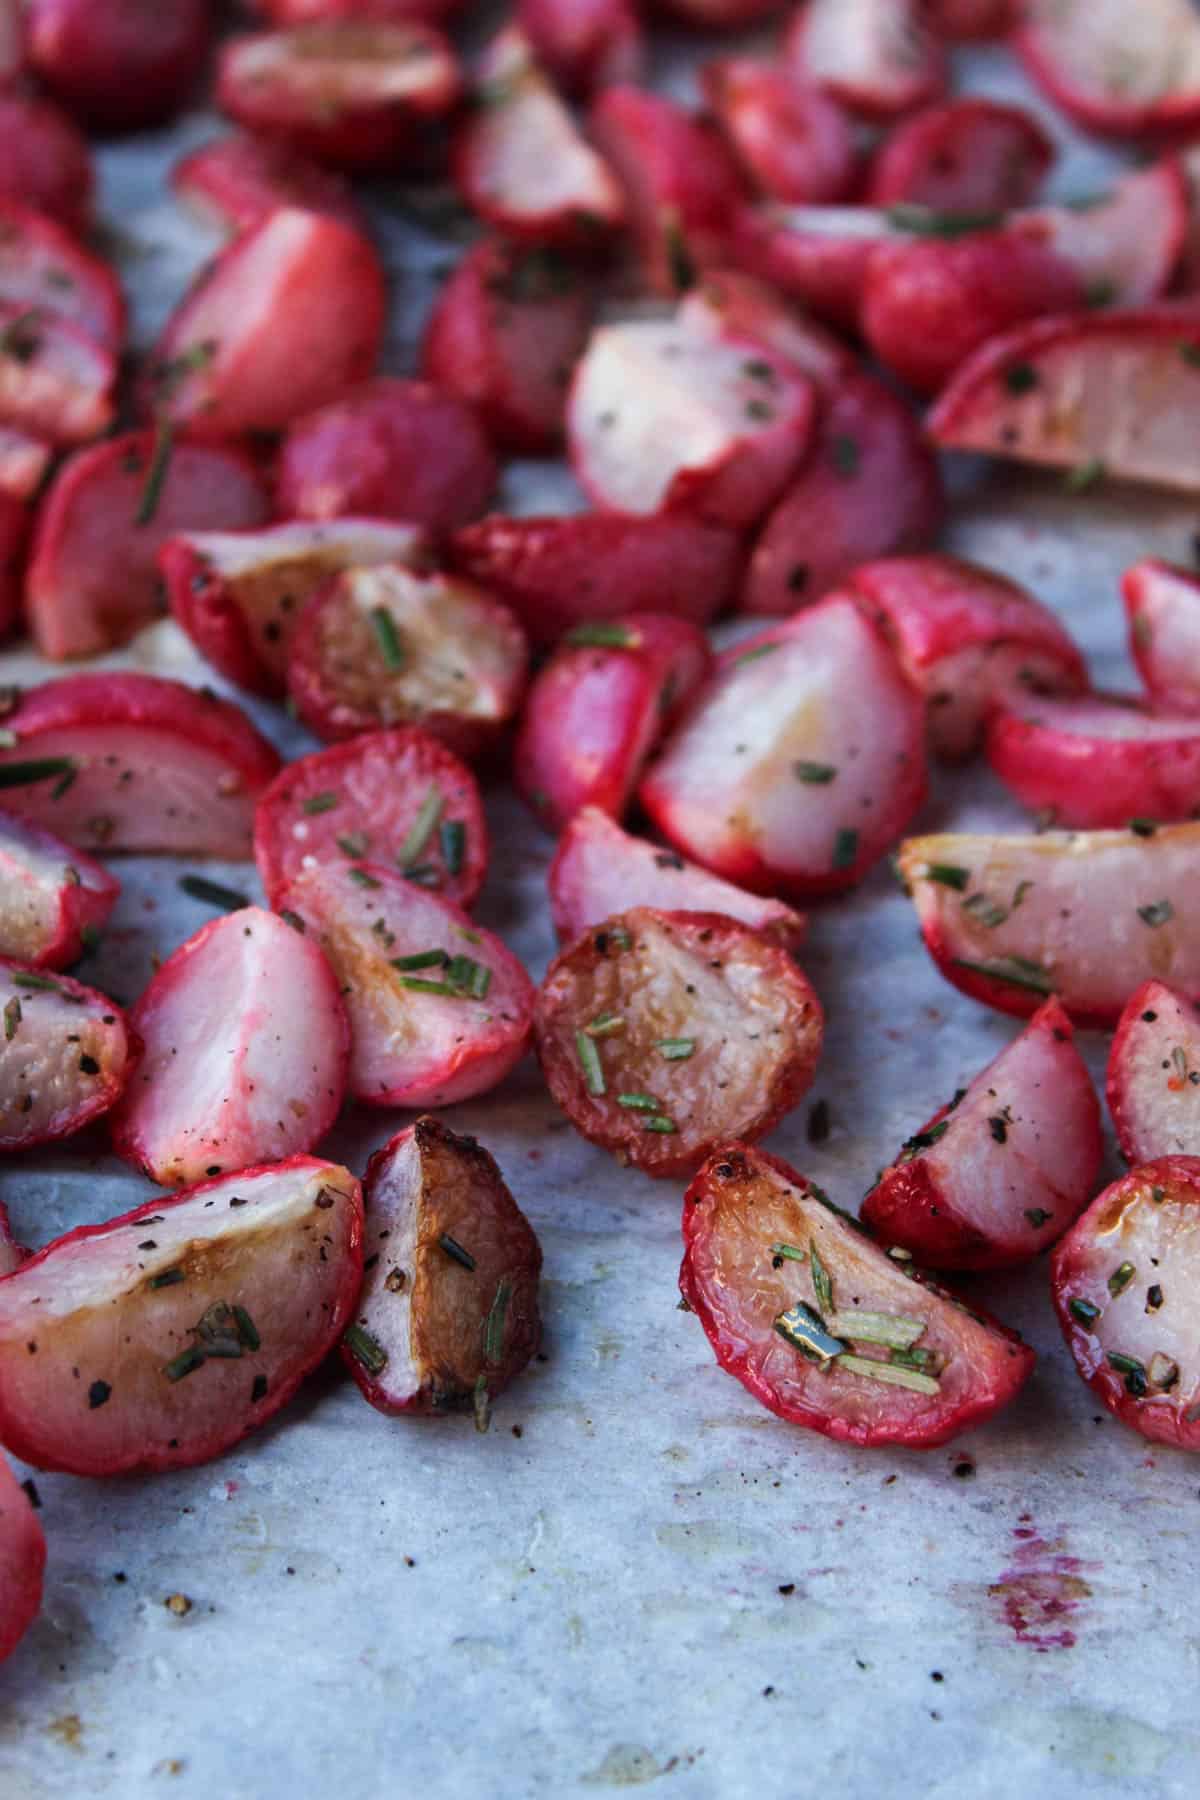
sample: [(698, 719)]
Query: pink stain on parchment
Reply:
[(1041, 1592)]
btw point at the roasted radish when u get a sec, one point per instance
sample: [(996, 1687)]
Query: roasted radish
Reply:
[(1111, 79), (661, 1033), (55, 381), (118, 65), (1125, 246), (1163, 607), (818, 255), (584, 44), (22, 1561), (43, 270), (47, 165), (389, 646), (163, 1337), (439, 1009), (964, 156), (54, 899), (795, 142), (1097, 761), (448, 1313), (821, 1325), (66, 1056), (1154, 1075), (963, 21), (876, 56), (395, 797), (237, 180)]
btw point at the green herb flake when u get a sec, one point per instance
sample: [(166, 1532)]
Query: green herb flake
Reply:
[(749, 656), (1190, 354), (925, 221), (815, 774), (638, 1102), (168, 1278), (801, 1328), (247, 1330), (676, 1049), (1154, 1298), (1083, 1311), (1120, 1278), (821, 1279), (497, 1320), (1143, 828), (601, 636), (894, 1330), (891, 1373), (948, 875), (1013, 971), (421, 830), (363, 878), (320, 803), (156, 475), (1021, 378), (589, 1062), (1037, 1216), (365, 1349), (452, 836), (998, 1126), (679, 257), (355, 845), (212, 893), (1084, 476), (455, 1251), (787, 1253), (64, 784), (25, 774), (607, 1024), (1101, 292), (845, 456), (42, 984), (421, 959), (659, 1123), (845, 848), (1159, 912), (186, 1363), (925, 1140), (387, 637), (12, 1018)]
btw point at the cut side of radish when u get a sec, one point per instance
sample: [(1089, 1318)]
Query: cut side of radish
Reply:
[(877, 56), (66, 1055), (1111, 79), (55, 381), (1097, 761), (1162, 604), (1154, 1075), (1125, 246), (54, 900), (44, 269)]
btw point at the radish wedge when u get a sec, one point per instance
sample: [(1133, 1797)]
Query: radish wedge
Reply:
[(55, 381), (1001, 1172), (128, 762), (1154, 1075), (1120, 1285), (396, 797), (520, 161), (1096, 762), (47, 163), (439, 1009), (584, 44), (1163, 607), (1124, 246), (969, 155), (818, 255), (66, 1055), (388, 646), (795, 142), (239, 595), (245, 1049), (800, 763), (117, 66), (598, 869), (966, 635), (597, 709), (1109, 78), (794, 1300), (1107, 393), (164, 1336), (22, 1561), (93, 571), (1087, 916), (43, 268), (448, 1313), (660, 419), (876, 56), (54, 900), (662, 1033), (237, 180)]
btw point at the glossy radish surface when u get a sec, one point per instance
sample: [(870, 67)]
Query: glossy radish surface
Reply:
[(877, 56), (1162, 605), (1112, 80), (22, 1561), (118, 65), (66, 1056), (1154, 1075), (55, 381), (1096, 762), (54, 899), (44, 268)]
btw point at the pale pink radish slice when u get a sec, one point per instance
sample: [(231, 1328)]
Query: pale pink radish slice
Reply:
[(800, 763), (1088, 916), (66, 1054), (1002, 1171), (439, 1009), (966, 635), (22, 1555), (1125, 246), (660, 418), (1103, 393), (24, 461), (1153, 1080), (520, 161), (598, 869), (245, 1049), (1162, 604), (877, 56), (55, 381), (1113, 72), (53, 899), (448, 1313), (1096, 761), (43, 267), (164, 1336), (795, 142)]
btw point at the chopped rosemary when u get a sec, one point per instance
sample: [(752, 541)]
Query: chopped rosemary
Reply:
[(453, 839), (1083, 1311), (497, 1320), (822, 1284), (42, 984), (1159, 912), (468, 976), (948, 875), (892, 1329), (1143, 828), (589, 1061), (384, 627), (604, 1025), (1020, 378), (660, 1123), (927, 221), (198, 887), (1084, 476), (1037, 1216), (156, 475), (12, 1018), (363, 878), (895, 1374), (814, 773), (320, 803), (24, 774), (1132, 1369), (421, 829), (990, 913), (365, 1349), (1120, 1278), (445, 989), (638, 1102), (1014, 971), (355, 845), (802, 1329), (749, 656), (168, 1278), (676, 1049), (455, 1251), (186, 1363), (602, 636), (788, 1253), (247, 1330), (421, 959), (845, 848), (1154, 1298), (482, 1404)]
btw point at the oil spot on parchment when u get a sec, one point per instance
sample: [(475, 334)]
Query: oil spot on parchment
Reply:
[(67, 1730), (631, 1765), (1087, 1740), (1040, 1597)]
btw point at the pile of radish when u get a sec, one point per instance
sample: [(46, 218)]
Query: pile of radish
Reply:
[(749, 325)]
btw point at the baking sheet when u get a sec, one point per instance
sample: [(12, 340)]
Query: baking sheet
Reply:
[(638, 1577)]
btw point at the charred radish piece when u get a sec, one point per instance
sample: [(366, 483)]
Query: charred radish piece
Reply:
[(584, 44), (164, 1336), (964, 156), (129, 762), (47, 164), (877, 56), (1088, 916), (93, 571), (967, 637), (1001, 1172), (54, 900), (395, 797), (659, 1033), (245, 1049), (388, 646), (800, 763), (448, 1314), (44, 271), (1162, 604), (390, 450), (65, 1058), (821, 1325), (1111, 80), (439, 1009), (597, 709), (236, 181), (795, 142), (239, 595), (598, 869), (1154, 1075), (55, 382), (118, 65), (22, 1561), (1121, 1281), (1097, 761)]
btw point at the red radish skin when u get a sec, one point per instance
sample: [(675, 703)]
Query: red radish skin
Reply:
[(816, 796), (397, 797), (22, 1561), (1126, 246), (966, 636), (287, 318), (739, 1207), (963, 156), (66, 1057), (173, 1372), (153, 765), (557, 573), (1088, 916), (118, 65), (1162, 604), (15, 522), (598, 869), (998, 1175), (93, 570), (877, 56), (238, 180), (42, 267), (720, 1032), (414, 1042), (731, 304), (55, 381), (794, 142), (54, 899), (429, 1332), (504, 335), (1097, 761), (388, 646), (817, 255), (599, 707), (388, 12), (1108, 79), (388, 450), (585, 45), (47, 165), (1153, 1082), (1120, 1282), (965, 21), (239, 595)]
